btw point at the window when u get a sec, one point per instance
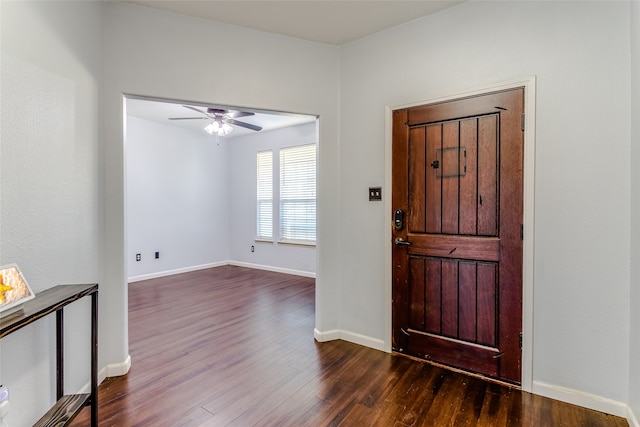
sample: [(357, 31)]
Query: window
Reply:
[(265, 196), (298, 194)]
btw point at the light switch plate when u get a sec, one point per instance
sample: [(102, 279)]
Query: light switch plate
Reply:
[(375, 193)]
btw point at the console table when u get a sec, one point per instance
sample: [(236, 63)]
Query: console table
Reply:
[(47, 302)]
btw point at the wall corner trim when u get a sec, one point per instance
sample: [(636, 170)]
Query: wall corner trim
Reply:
[(580, 398), (631, 418), (338, 334), (113, 370), (118, 369)]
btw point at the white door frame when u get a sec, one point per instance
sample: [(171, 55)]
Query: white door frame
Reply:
[(529, 85)]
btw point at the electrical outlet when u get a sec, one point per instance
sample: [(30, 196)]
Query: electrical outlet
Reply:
[(253, 249), (138, 257), (157, 255)]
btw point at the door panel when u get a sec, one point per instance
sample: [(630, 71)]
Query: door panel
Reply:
[(468, 329), (454, 298), (417, 214), (418, 311), (487, 177), (487, 296), (432, 294), (457, 289), (448, 175), (433, 185), (449, 290), (469, 187)]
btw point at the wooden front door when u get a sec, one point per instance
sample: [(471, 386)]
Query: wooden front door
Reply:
[(457, 233)]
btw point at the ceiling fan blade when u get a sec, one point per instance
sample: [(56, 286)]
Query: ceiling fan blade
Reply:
[(244, 125), (236, 114), (232, 114), (195, 109), (188, 118)]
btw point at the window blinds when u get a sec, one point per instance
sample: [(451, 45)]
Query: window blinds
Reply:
[(264, 215), (298, 193)]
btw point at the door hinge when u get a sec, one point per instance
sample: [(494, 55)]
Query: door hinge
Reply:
[(522, 122), (520, 340), (521, 231)]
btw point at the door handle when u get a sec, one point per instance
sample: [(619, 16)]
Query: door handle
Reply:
[(400, 242)]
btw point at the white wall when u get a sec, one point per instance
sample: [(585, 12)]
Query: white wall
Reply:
[(580, 55), (634, 366), (155, 53), (50, 211), (177, 198), (242, 201)]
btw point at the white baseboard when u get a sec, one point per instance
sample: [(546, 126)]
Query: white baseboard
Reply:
[(86, 388), (114, 370), (353, 337), (580, 398), (631, 418), (274, 269), (175, 271), (219, 264)]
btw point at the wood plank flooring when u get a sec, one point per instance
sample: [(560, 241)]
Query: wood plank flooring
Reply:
[(231, 346)]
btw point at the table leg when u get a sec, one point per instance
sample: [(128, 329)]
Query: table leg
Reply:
[(59, 353)]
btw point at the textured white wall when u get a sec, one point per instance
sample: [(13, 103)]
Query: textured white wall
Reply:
[(242, 200), (177, 198), (634, 366), (580, 55), (51, 200), (154, 53)]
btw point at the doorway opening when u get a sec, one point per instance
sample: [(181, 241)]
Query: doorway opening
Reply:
[(191, 196)]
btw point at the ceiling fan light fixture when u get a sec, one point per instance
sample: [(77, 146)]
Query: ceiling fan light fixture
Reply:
[(211, 128), (220, 129)]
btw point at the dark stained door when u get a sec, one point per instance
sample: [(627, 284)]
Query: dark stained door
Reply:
[(457, 256)]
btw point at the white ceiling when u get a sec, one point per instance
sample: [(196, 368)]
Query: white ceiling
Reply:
[(325, 21), (161, 111)]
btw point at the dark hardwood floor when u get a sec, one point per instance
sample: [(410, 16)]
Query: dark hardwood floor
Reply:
[(231, 346)]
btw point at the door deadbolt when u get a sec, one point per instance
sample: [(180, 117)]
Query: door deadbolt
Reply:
[(398, 219)]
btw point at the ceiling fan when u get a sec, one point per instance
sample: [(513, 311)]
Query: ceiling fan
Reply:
[(221, 120)]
